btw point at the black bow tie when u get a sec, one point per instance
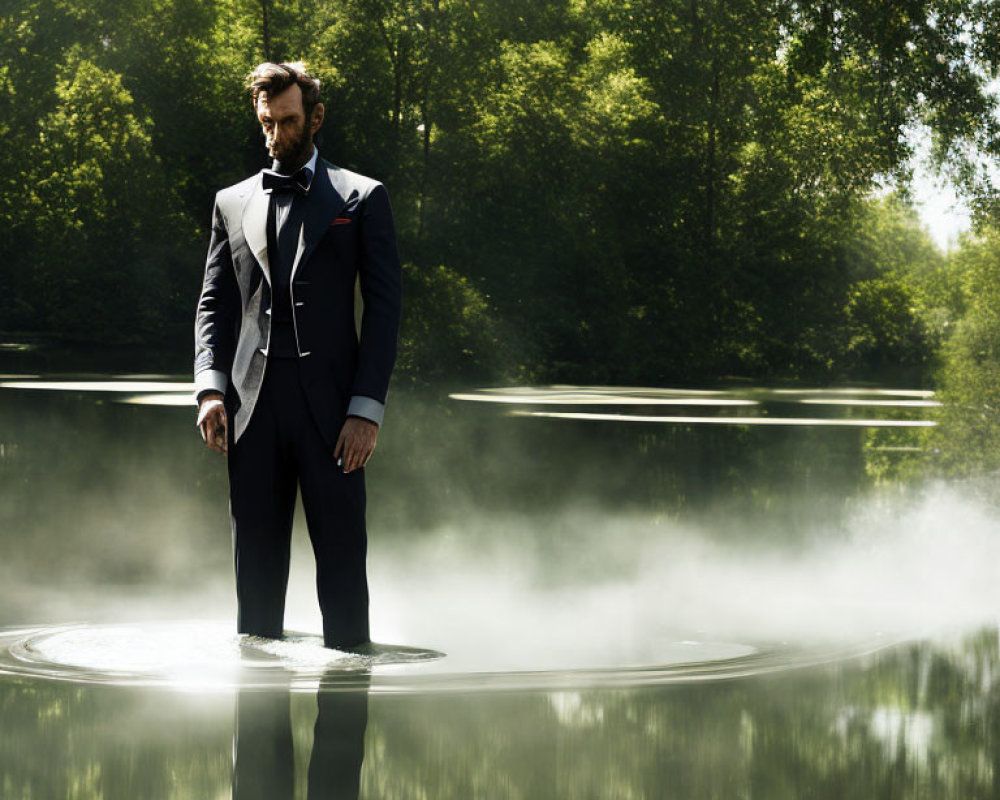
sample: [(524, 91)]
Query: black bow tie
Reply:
[(296, 182)]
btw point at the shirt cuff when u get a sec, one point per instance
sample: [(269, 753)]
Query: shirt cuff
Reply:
[(210, 380), (367, 407), (205, 408)]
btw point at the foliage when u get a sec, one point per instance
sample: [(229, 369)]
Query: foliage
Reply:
[(468, 345), (968, 437), (647, 191)]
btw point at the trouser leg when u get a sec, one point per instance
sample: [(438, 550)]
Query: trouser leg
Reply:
[(336, 518), (262, 488), (334, 505)]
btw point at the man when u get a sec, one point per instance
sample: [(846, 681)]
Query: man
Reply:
[(283, 384)]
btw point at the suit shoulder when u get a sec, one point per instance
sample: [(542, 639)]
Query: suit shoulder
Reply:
[(237, 190), (348, 182), (229, 200)]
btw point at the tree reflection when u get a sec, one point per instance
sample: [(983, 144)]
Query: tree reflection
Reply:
[(917, 721)]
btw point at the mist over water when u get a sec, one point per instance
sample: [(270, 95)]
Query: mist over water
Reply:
[(891, 568), (586, 549), (902, 566)]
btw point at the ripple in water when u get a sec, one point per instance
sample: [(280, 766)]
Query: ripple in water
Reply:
[(198, 655)]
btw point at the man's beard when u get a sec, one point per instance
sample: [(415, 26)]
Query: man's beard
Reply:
[(290, 159)]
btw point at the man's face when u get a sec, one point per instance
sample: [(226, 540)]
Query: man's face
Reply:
[(283, 120)]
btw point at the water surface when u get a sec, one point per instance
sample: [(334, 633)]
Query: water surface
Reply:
[(585, 592)]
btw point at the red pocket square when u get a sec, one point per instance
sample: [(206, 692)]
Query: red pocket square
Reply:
[(341, 221)]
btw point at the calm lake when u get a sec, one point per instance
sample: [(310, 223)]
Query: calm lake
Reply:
[(585, 592)]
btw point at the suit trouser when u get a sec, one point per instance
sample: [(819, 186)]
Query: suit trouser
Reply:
[(280, 450)]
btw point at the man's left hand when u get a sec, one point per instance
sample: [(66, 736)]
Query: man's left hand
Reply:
[(355, 443)]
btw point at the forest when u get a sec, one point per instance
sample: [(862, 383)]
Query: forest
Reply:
[(652, 192)]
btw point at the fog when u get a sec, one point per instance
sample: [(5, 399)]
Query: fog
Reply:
[(510, 544)]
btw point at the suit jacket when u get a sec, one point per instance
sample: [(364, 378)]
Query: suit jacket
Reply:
[(347, 231)]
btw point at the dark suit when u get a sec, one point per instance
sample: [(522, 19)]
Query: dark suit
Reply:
[(285, 414)]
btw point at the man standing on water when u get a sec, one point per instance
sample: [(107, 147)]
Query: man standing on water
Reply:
[(284, 386)]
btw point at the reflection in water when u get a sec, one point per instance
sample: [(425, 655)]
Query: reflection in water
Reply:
[(611, 394), (915, 722), (648, 395), (158, 392), (871, 402), (606, 398), (810, 422), (651, 396), (263, 755), (101, 386), (338, 744), (184, 399), (149, 390), (263, 750)]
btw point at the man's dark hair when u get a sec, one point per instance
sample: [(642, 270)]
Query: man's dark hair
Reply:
[(275, 78)]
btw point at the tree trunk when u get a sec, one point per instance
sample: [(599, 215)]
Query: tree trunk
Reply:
[(265, 13)]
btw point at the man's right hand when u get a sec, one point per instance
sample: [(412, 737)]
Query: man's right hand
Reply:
[(212, 422)]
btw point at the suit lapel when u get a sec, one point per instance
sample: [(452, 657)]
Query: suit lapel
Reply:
[(255, 225), (325, 202)]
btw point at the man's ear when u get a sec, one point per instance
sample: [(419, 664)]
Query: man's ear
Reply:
[(316, 118)]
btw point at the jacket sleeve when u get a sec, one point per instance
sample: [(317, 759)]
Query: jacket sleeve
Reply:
[(217, 314), (381, 282)]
